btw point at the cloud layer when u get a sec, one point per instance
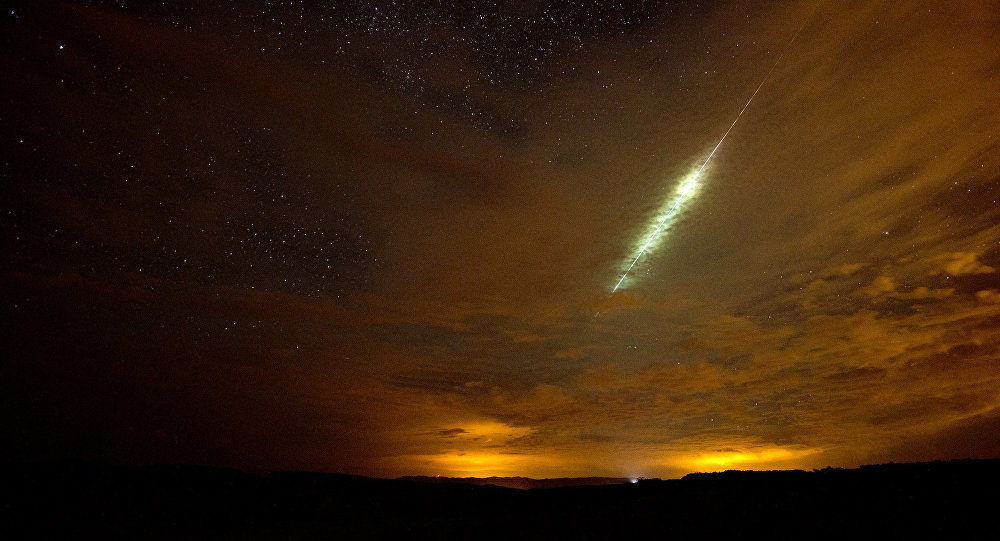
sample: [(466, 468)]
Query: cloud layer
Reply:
[(361, 262)]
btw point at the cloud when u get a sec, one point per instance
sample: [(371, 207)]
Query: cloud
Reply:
[(847, 269), (975, 436), (573, 353), (881, 286), (988, 296), (962, 263)]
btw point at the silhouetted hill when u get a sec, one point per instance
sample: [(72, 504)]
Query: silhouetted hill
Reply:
[(523, 483), (940, 500)]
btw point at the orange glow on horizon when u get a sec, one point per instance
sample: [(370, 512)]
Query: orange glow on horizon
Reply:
[(767, 458), (485, 464)]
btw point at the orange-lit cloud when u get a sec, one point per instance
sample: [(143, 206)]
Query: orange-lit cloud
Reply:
[(755, 459)]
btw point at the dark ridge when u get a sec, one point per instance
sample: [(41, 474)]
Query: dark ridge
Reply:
[(524, 483), (89, 500)]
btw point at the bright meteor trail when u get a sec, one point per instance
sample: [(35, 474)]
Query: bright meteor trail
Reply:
[(690, 184)]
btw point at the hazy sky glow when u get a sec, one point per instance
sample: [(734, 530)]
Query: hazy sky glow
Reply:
[(374, 241)]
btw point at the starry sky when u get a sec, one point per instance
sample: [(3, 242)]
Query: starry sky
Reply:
[(381, 237)]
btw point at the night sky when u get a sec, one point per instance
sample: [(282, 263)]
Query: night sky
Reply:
[(381, 237)]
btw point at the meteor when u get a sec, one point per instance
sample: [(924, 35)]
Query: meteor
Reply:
[(689, 186)]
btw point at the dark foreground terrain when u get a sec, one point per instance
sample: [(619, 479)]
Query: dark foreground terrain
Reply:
[(522, 482), (939, 500)]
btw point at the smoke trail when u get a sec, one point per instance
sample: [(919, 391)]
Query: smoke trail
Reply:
[(688, 185)]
